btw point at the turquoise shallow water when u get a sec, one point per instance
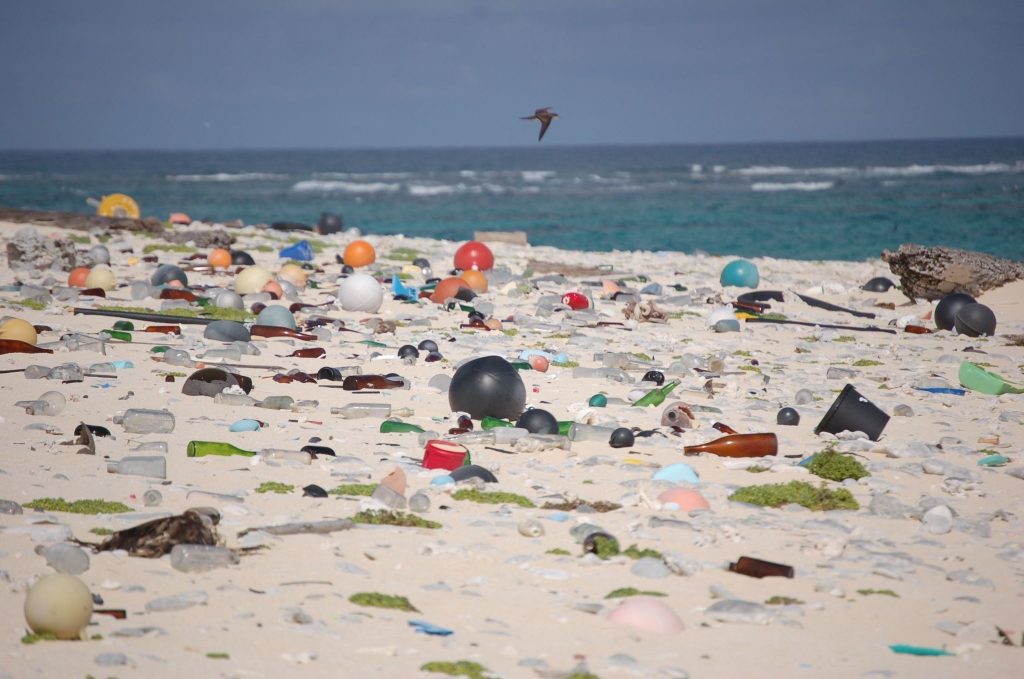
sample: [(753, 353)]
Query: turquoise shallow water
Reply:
[(801, 200)]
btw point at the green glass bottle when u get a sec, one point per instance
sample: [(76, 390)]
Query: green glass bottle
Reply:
[(564, 427), (399, 427), (205, 448), (124, 325), (118, 335), (521, 365), (655, 397), (489, 422)]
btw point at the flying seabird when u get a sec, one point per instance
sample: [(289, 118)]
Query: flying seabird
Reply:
[(545, 116)]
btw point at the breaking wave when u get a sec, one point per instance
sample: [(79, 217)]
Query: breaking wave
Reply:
[(791, 186), (225, 177), (345, 187)]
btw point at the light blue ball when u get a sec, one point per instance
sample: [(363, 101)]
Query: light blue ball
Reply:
[(741, 274), (276, 315)]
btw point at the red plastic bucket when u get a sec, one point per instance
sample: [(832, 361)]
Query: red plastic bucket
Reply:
[(444, 455)]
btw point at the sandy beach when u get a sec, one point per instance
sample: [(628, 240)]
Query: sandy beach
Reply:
[(509, 587)]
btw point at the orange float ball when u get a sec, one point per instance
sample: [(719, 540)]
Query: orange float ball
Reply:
[(474, 255), (477, 281), (687, 499), (76, 279), (447, 288), (274, 288), (219, 258), (359, 253)]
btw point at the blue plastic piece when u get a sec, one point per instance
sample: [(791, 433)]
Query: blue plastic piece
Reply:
[(442, 480), (741, 274), (402, 291), (996, 460), (424, 627), (122, 365), (300, 252), (245, 425), (677, 473), (943, 390), (560, 517)]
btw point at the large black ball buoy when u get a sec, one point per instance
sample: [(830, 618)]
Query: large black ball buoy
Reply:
[(788, 416), (947, 308), (408, 351), (427, 345), (487, 386), (621, 438), (329, 223), (537, 421), (975, 320), (165, 273), (242, 258)]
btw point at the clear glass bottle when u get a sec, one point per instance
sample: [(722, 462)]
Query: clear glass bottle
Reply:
[(199, 558), (154, 466), (146, 421)]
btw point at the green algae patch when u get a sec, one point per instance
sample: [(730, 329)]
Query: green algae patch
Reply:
[(218, 655), (883, 592), (383, 517), (622, 592), (459, 668), (558, 551), (360, 489), (492, 497), (601, 506), (168, 247), (33, 638), (634, 552), (782, 601), (866, 363), (845, 338), (796, 492), (402, 254), (101, 531), (275, 487), (33, 304), (59, 504), (604, 546), (378, 600), (834, 466), (757, 469)]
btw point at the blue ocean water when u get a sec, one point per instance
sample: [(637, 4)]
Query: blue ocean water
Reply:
[(846, 200)]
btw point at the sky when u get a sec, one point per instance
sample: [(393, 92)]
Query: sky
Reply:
[(236, 74)]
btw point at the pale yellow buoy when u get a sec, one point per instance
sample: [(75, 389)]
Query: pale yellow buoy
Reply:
[(18, 329), (101, 277), (60, 605), (251, 279)]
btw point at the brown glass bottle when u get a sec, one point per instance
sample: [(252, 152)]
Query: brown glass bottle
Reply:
[(11, 346), (738, 445), (358, 382), (758, 568), (171, 293), (166, 329), (309, 352), (276, 331), (724, 428)]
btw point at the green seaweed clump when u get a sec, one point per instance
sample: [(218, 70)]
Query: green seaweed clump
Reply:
[(37, 305), (275, 487), (459, 668), (757, 469), (558, 551), (634, 552), (883, 592), (362, 489), (605, 546), (866, 363), (33, 638), (832, 465), (383, 517), (601, 506), (492, 497), (631, 591), (218, 655), (403, 254), (782, 601), (378, 600), (796, 492), (59, 504), (167, 247)]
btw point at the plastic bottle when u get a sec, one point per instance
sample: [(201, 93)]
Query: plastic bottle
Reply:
[(536, 442), (36, 372), (208, 448), (613, 374), (179, 358), (277, 403), (498, 436), (655, 397), (146, 421), (67, 372), (590, 432), (757, 568), (281, 455), (738, 445), (352, 411), (199, 558), (154, 466)]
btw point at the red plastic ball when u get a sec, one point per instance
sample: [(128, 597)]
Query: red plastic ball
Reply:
[(474, 255), (575, 301)]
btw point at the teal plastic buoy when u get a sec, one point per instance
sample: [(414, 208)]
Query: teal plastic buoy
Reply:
[(598, 401), (741, 274)]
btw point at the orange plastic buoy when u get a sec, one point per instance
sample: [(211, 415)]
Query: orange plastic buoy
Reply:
[(274, 288), (359, 253), (179, 218), (474, 255), (219, 258), (476, 281), (76, 279), (449, 287)]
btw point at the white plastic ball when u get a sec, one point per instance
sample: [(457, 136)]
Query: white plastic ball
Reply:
[(59, 604), (228, 299), (360, 292), (99, 254), (101, 277)]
